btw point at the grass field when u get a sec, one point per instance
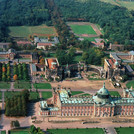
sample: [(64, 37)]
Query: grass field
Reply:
[(4, 85), (19, 132), (34, 96), (3, 132), (77, 131), (42, 85), (82, 29), (129, 5), (25, 31), (84, 95), (46, 95), (125, 130), (114, 93), (76, 92), (130, 84), (22, 85), (10, 94)]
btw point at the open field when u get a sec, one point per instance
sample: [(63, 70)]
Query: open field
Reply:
[(82, 29), (130, 84), (4, 85), (129, 5), (22, 85), (25, 31), (46, 95), (42, 85), (77, 131), (125, 130)]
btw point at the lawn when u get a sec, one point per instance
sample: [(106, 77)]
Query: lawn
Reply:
[(76, 92), (125, 130), (0, 95), (82, 29), (130, 84), (42, 85), (114, 93), (25, 31), (34, 96), (3, 132), (22, 85), (46, 95), (4, 85), (84, 95), (77, 131), (19, 132), (9, 94)]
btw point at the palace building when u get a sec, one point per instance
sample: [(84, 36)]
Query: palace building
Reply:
[(99, 105)]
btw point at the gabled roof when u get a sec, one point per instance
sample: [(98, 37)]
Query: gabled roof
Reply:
[(44, 44)]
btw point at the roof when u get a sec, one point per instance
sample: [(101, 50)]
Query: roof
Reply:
[(114, 55), (44, 44), (23, 42), (129, 69), (51, 62), (131, 52), (34, 69), (2, 44)]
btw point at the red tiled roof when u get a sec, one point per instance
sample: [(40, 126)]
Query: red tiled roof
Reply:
[(50, 63), (23, 42), (111, 62), (44, 44)]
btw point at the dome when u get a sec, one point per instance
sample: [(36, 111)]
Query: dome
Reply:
[(102, 96), (103, 91)]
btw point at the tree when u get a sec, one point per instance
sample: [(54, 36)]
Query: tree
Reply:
[(3, 69), (15, 77)]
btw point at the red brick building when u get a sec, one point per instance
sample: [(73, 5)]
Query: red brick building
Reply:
[(99, 105)]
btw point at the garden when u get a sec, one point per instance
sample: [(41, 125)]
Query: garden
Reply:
[(42, 85)]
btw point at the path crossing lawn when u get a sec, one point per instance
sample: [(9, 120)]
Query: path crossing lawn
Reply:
[(34, 96), (46, 94), (77, 131), (88, 95), (22, 85), (42, 85), (114, 93), (4, 85), (82, 29), (76, 92), (130, 84), (125, 130), (9, 94)]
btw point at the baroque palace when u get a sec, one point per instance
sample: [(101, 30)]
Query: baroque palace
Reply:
[(99, 105)]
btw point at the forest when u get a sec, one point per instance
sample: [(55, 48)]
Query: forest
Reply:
[(117, 22), (22, 12)]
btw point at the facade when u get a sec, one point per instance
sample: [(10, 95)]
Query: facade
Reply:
[(4, 46), (17, 56), (99, 105)]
